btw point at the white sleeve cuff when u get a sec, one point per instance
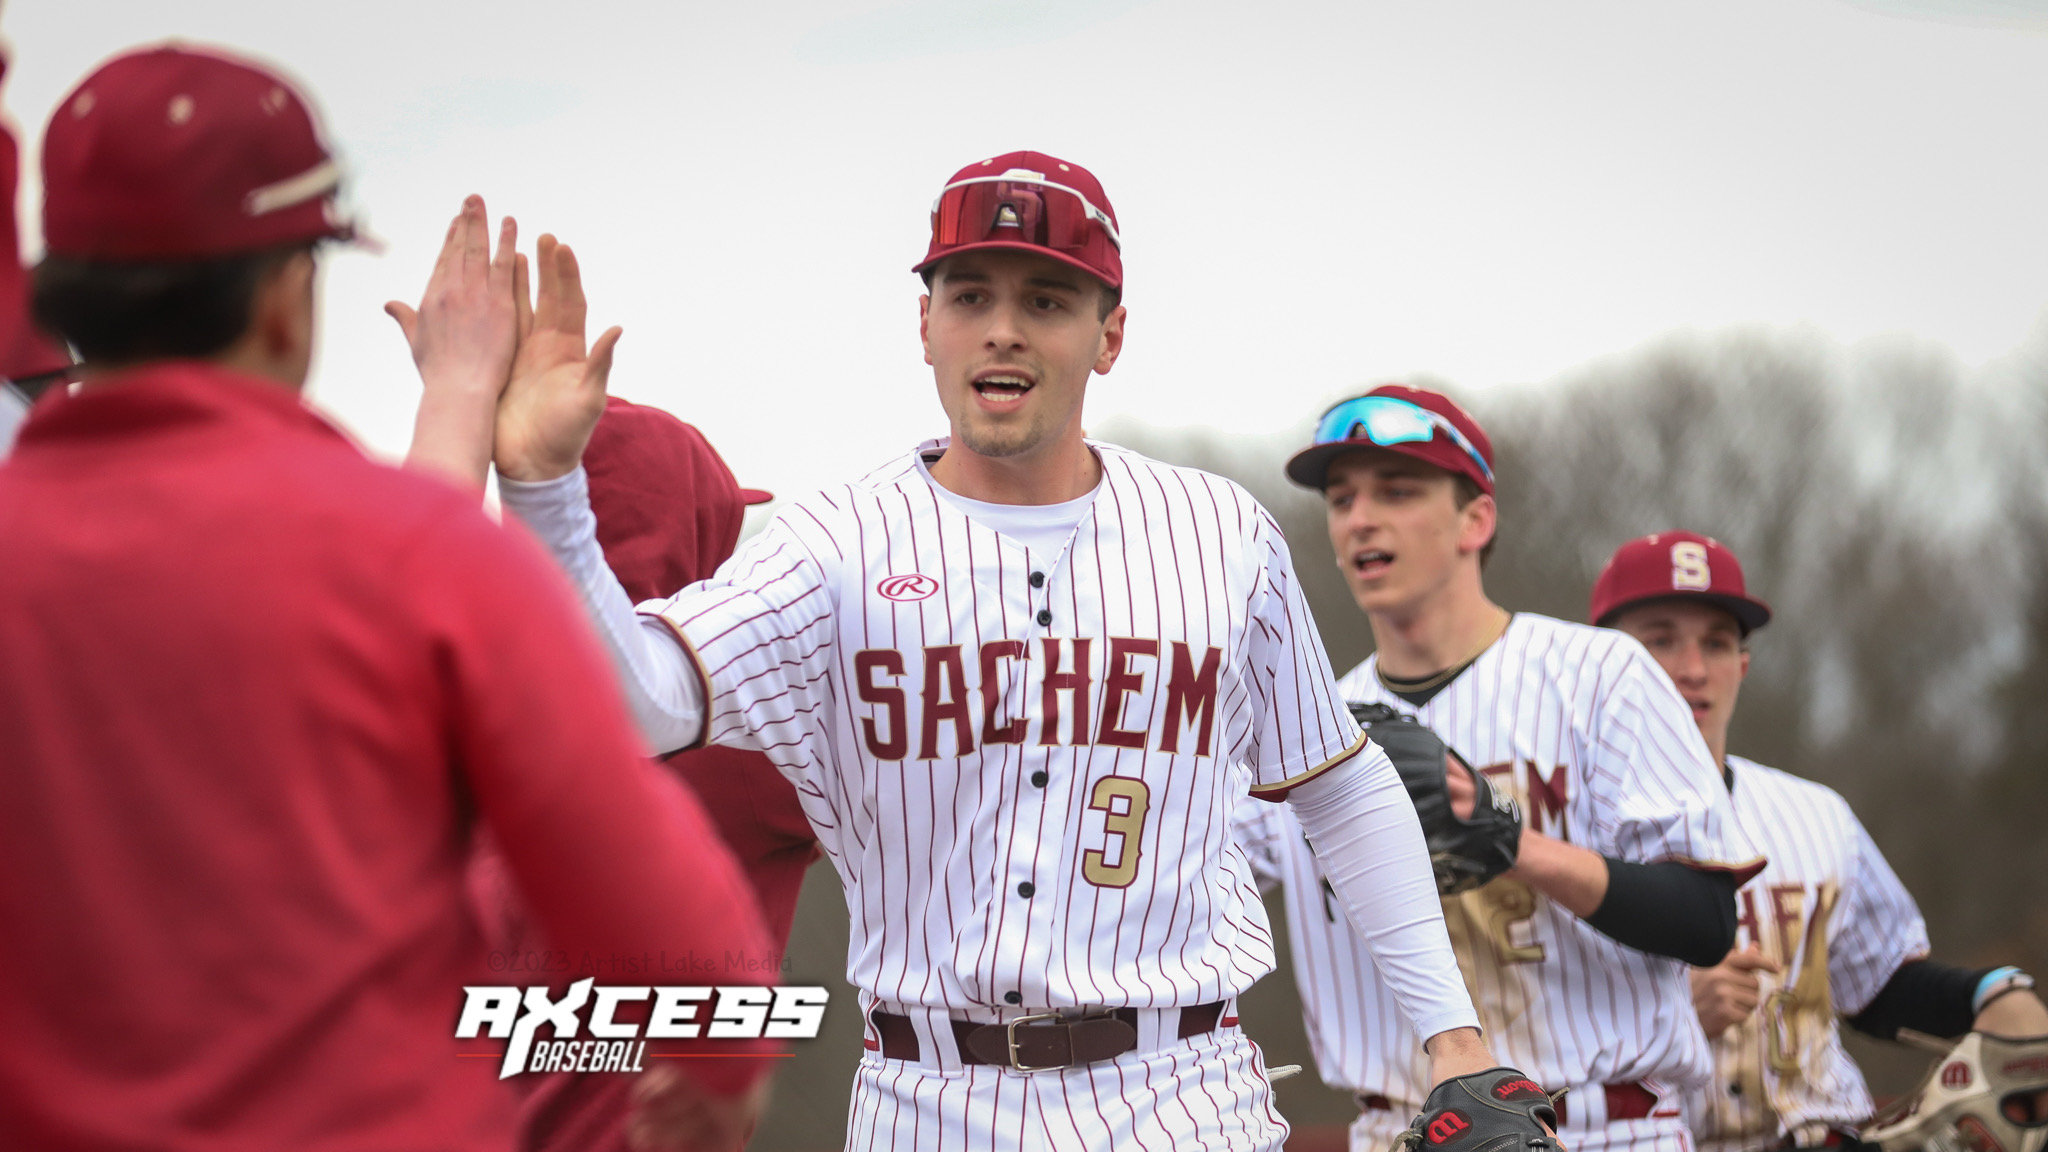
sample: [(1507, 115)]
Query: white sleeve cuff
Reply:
[(1370, 845), (661, 685)]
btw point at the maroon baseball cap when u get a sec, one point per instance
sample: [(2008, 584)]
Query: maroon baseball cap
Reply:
[(1664, 565), (177, 153), (1445, 435), (668, 509), (1031, 202)]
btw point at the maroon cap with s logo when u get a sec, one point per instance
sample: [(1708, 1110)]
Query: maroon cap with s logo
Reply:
[(1675, 564)]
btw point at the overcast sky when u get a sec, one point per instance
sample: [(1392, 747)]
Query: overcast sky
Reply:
[(1314, 196)]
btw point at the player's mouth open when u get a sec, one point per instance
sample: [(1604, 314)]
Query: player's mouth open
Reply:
[(1002, 387), (1371, 563)]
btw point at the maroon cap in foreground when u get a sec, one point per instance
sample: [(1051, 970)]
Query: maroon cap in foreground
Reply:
[(1664, 565), (176, 153), (1044, 207), (1310, 467)]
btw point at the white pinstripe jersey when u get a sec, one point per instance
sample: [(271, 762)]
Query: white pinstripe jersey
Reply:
[(1586, 731), (1023, 764), (1834, 916)]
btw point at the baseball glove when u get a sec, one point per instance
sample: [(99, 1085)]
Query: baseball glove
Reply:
[(1464, 853), (1498, 1110), (1989, 1094)]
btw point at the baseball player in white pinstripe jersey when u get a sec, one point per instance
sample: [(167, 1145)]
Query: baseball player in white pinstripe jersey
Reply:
[(1629, 857), (1825, 930), (1019, 679)]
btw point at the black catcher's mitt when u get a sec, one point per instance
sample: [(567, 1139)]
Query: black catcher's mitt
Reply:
[(1465, 853), (1498, 1110)]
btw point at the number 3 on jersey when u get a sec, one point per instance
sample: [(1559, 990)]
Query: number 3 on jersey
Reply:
[(1126, 826)]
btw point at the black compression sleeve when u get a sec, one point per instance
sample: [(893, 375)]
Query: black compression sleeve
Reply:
[(1668, 909), (1926, 996)]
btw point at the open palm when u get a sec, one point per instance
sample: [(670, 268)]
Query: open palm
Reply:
[(557, 388)]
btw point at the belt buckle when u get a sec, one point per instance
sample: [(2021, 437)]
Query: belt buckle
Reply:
[(1010, 1036)]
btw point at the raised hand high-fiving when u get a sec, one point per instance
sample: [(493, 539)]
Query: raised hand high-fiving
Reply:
[(556, 393), (463, 337)]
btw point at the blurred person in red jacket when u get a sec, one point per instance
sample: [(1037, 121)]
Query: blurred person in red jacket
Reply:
[(669, 513), (258, 693)]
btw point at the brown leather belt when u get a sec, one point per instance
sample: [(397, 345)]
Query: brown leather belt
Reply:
[(1627, 1101), (1039, 1042)]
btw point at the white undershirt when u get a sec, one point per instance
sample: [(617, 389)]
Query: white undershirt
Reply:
[(1042, 528)]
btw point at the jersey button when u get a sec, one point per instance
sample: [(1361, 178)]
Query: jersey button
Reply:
[(1026, 889), (1038, 579), (1044, 616), (1039, 778), (1013, 997)]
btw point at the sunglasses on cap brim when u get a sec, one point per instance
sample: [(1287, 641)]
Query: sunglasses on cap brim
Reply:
[(1389, 420), (1043, 213)]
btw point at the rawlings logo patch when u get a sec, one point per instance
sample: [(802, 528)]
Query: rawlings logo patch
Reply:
[(1518, 1090), (904, 589), (1955, 1075), (1448, 1126)]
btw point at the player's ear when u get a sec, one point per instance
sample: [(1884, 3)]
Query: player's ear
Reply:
[(1744, 674), (279, 340), (924, 325), (1476, 523), (1112, 344)]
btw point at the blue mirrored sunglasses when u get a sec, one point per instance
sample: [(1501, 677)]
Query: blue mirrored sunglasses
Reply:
[(1389, 420)]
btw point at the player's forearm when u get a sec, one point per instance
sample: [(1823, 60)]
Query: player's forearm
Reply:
[(661, 687), (1668, 909), (1943, 1000), (1458, 1052), (1665, 909), (451, 434), (1570, 875), (2016, 1015), (1370, 845), (1458, 1043)]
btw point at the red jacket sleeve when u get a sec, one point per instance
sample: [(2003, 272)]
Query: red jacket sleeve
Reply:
[(615, 864)]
